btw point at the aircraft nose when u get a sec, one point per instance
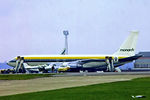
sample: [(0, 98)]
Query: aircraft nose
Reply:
[(11, 63), (8, 62)]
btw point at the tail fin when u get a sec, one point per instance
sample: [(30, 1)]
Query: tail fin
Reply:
[(63, 52), (129, 45)]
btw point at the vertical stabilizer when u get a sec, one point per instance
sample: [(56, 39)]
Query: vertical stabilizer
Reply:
[(129, 45), (63, 52)]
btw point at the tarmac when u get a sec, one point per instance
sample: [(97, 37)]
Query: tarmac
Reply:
[(100, 73), (11, 87)]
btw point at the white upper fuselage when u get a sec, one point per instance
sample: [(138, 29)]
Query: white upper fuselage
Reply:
[(74, 55)]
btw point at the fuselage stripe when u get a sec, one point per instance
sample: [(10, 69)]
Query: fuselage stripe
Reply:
[(84, 57)]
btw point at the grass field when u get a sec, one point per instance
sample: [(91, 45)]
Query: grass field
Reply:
[(108, 91), (22, 76)]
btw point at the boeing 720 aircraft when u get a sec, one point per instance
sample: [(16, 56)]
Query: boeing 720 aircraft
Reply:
[(125, 54)]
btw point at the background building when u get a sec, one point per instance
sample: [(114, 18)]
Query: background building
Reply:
[(143, 62)]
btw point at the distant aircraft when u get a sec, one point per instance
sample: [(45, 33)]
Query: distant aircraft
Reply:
[(39, 68), (110, 63)]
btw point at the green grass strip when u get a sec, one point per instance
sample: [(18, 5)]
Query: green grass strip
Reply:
[(107, 91)]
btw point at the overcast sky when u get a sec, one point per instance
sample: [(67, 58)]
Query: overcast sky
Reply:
[(95, 26)]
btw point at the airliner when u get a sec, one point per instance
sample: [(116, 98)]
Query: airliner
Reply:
[(110, 63), (39, 68)]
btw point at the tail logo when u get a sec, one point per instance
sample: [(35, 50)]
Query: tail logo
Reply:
[(128, 50)]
